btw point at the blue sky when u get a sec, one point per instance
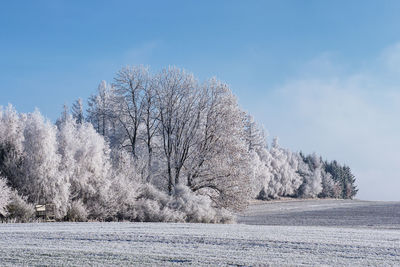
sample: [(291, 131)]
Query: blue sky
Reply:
[(321, 75)]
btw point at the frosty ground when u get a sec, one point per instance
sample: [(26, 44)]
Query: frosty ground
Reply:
[(309, 232)]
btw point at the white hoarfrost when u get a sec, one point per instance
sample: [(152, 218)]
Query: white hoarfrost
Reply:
[(155, 244)]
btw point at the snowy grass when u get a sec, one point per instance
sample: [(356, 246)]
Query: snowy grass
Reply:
[(78, 244)]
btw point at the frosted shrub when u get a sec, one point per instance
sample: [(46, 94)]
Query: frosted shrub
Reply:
[(197, 208), (98, 211), (124, 188), (152, 206), (225, 216), (184, 206), (19, 209), (151, 211), (150, 192), (122, 199), (77, 212)]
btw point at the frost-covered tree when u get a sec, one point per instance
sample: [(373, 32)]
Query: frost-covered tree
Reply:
[(41, 181), (285, 179), (179, 118), (99, 112), (330, 188), (130, 86), (261, 174), (219, 165), (254, 134), (11, 145), (64, 115), (5, 196), (85, 162), (343, 178), (259, 155), (310, 169), (150, 126), (181, 131), (77, 111), (125, 187), (350, 189)]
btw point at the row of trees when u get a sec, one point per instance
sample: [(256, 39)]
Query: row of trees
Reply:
[(153, 147), (278, 172), (72, 166)]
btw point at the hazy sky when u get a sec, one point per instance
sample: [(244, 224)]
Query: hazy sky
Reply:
[(324, 76)]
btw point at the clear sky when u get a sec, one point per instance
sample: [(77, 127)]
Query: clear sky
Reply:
[(324, 76)]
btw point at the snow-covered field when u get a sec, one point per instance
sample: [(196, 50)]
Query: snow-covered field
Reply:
[(317, 232), (324, 212)]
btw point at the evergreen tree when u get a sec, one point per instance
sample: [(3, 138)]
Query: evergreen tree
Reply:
[(77, 111)]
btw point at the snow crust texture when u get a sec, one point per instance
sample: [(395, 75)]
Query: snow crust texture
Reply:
[(122, 244)]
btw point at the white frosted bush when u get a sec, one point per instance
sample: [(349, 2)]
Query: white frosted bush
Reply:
[(77, 212), (184, 206), (153, 206), (19, 209), (150, 192), (121, 202), (196, 208), (151, 211), (124, 188), (225, 216)]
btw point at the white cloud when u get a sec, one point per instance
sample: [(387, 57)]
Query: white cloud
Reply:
[(353, 118)]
